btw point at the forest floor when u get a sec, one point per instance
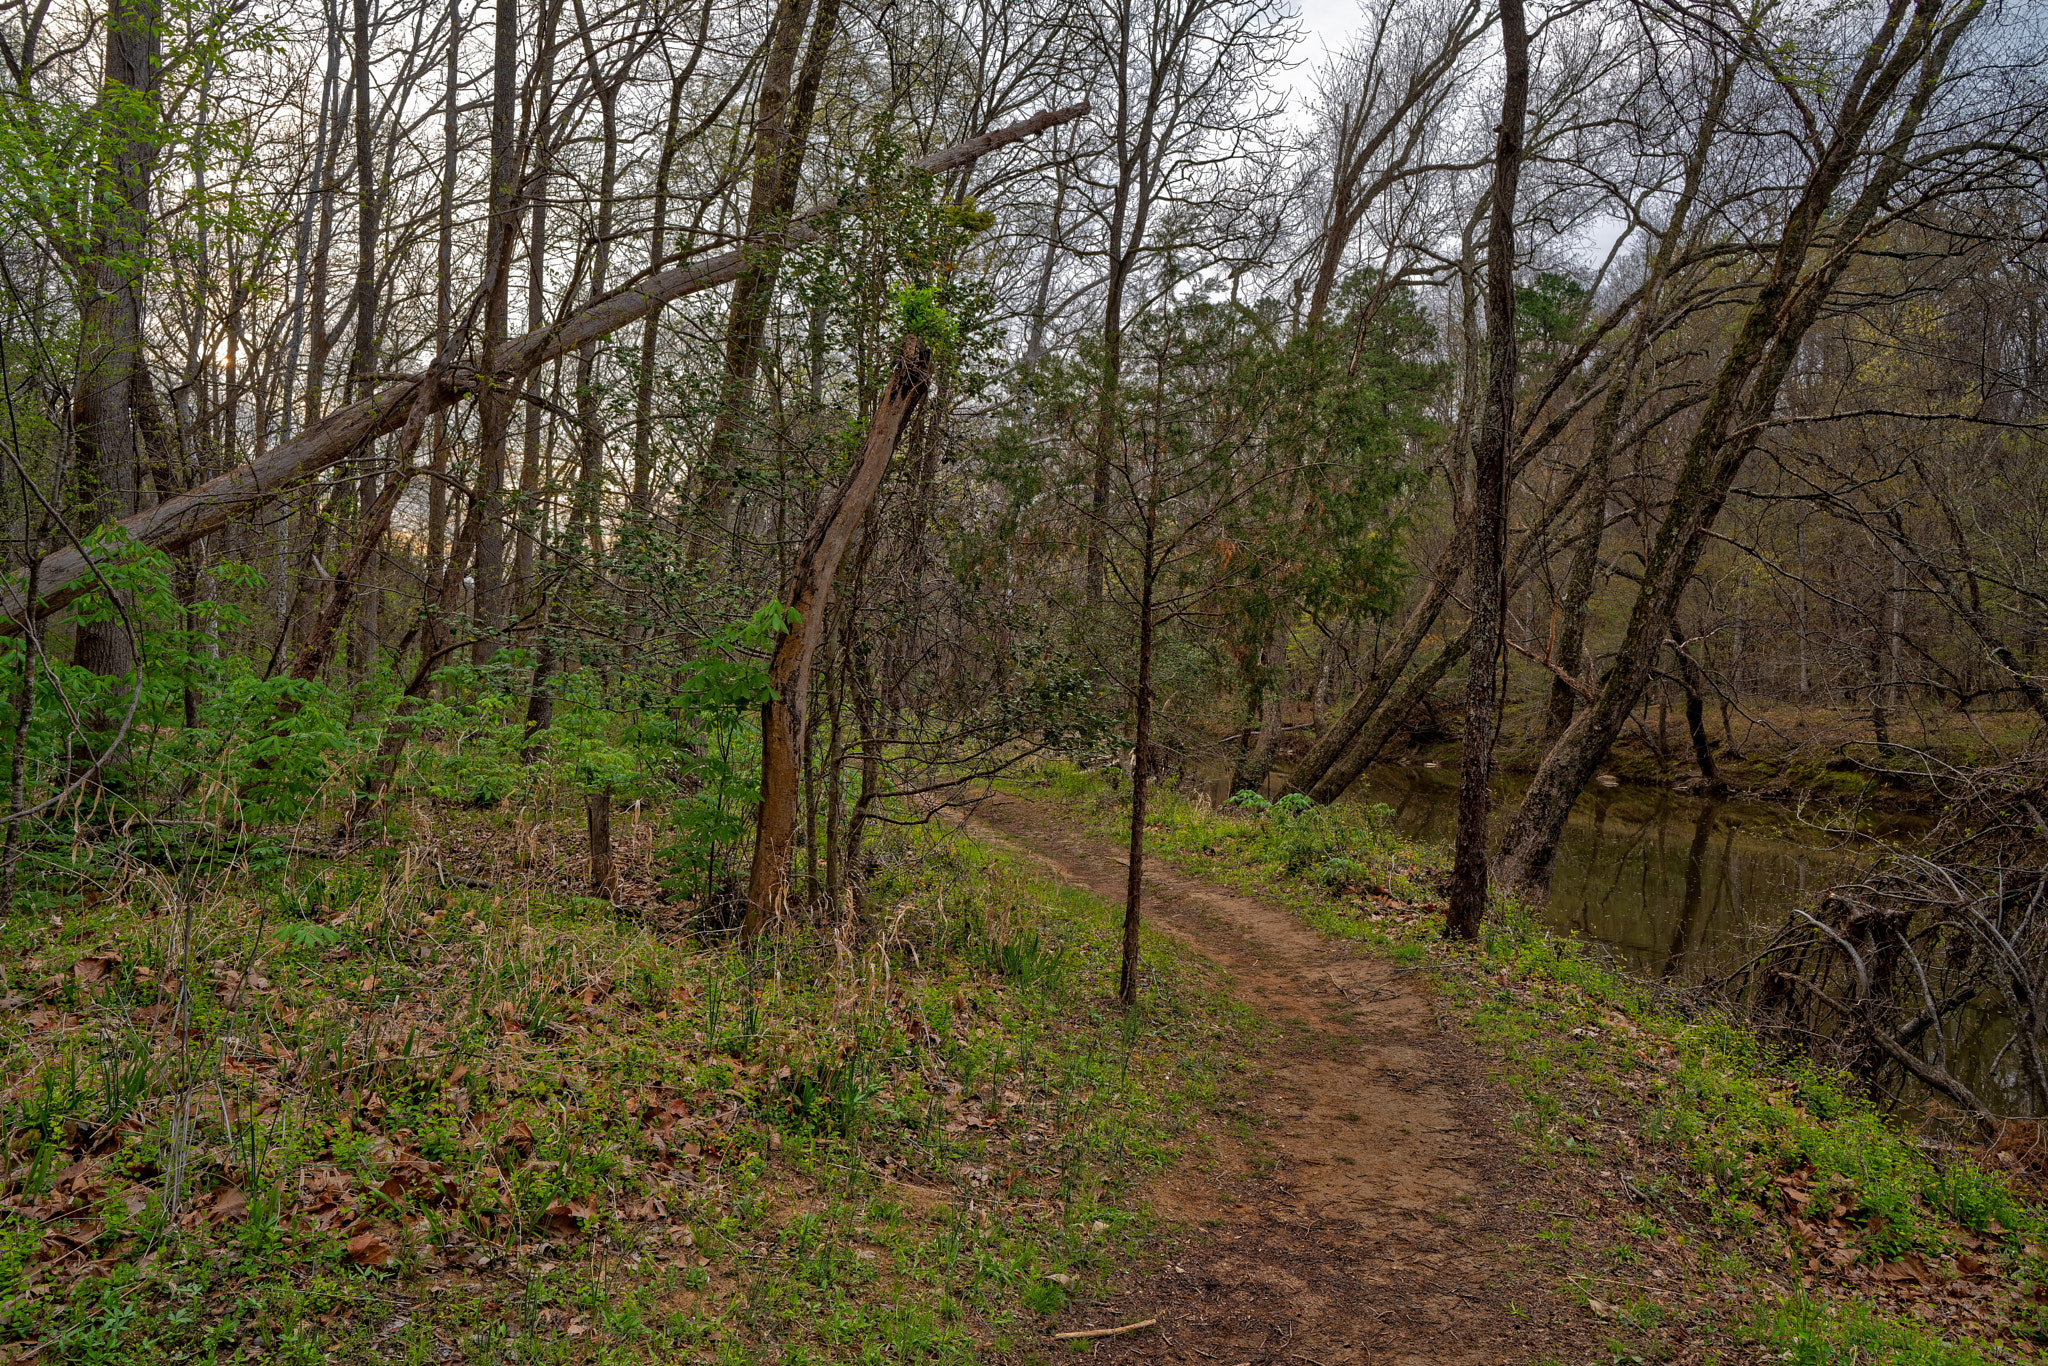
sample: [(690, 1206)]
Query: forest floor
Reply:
[(422, 1101), (1363, 1206)]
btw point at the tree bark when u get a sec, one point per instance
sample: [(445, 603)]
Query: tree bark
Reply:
[(497, 380), (1489, 493), (642, 501), (110, 336), (444, 301), (1693, 681), (782, 124), (1141, 776), (808, 594)]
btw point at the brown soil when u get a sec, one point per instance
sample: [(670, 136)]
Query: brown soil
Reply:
[(1362, 1207)]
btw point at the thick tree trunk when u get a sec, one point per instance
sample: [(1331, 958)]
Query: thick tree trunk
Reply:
[(808, 595), (109, 334), (1489, 494), (177, 522)]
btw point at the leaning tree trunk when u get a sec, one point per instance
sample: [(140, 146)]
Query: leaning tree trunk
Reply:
[(1343, 733), (807, 594), (782, 128), (175, 523), (1739, 404)]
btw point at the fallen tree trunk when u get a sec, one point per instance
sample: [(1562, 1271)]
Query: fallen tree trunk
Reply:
[(67, 574)]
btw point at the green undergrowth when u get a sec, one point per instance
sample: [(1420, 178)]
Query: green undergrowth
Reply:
[(366, 1110), (1809, 1221)]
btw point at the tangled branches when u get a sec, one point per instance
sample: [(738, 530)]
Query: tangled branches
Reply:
[(1925, 971)]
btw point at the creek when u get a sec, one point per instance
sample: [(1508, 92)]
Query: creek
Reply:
[(1676, 887)]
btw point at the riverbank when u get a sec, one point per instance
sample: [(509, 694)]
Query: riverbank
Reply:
[(1780, 1209)]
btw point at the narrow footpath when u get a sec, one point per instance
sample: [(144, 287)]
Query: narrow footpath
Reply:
[(1363, 1209)]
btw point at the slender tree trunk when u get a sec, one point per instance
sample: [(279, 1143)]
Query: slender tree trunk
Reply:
[(444, 301), (363, 357), (497, 381), (1694, 683), (782, 123), (527, 515), (807, 594), (1141, 776), (1489, 494), (650, 331), (604, 876), (1576, 609)]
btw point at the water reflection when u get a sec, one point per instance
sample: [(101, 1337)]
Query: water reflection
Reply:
[(1677, 886)]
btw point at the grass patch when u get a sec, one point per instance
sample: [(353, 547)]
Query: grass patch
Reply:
[(424, 1104)]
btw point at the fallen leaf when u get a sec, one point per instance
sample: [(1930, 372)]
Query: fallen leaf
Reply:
[(566, 1216), (231, 1203), (95, 968), (368, 1249), (519, 1138)]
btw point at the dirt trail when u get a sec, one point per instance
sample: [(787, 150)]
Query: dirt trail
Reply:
[(1364, 1210)]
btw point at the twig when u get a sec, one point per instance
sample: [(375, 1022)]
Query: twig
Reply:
[(1107, 1332)]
